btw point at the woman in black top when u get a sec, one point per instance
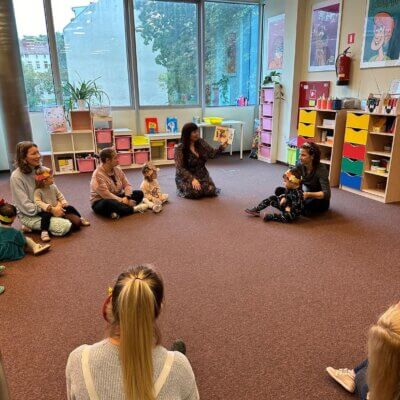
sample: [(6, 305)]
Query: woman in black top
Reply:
[(314, 175), (192, 178)]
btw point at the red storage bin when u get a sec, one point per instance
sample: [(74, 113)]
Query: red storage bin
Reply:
[(123, 142), (354, 151), (86, 164), (302, 139), (265, 151), (267, 124), (104, 135), (170, 153), (125, 159), (266, 137), (269, 95), (141, 157), (267, 110)]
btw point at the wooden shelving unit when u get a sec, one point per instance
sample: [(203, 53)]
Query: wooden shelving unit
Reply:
[(366, 136), (329, 138)]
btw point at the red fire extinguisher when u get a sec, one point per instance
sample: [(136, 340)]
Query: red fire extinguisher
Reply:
[(343, 63)]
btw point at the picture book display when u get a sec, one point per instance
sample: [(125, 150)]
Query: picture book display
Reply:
[(151, 125), (54, 119), (223, 134), (172, 125)]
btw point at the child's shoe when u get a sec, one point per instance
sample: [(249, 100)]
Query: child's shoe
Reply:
[(45, 236), (2, 269), (40, 248), (85, 222), (141, 208), (157, 208), (2, 289), (253, 211), (115, 216), (25, 229)]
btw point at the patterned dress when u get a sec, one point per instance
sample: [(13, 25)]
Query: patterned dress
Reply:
[(195, 168)]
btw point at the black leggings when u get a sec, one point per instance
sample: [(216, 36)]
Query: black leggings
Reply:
[(106, 207), (315, 206), (274, 201), (71, 213)]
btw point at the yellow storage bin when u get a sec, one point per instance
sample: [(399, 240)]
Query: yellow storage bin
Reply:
[(358, 121), (140, 141), (308, 117), (306, 130), (356, 136), (157, 143)]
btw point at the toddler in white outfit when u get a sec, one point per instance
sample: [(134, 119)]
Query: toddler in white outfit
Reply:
[(151, 189)]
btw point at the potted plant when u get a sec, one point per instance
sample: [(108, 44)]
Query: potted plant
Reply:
[(272, 77), (82, 92)]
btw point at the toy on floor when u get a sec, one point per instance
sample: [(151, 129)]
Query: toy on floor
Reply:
[(289, 200), (153, 196), (13, 243), (49, 198)]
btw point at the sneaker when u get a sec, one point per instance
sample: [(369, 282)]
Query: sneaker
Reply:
[(2, 269), (252, 211), (85, 222), (157, 208), (344, 377), (179, 345), (45, 236), (268, 217), (25, 229), (141, 208), (114, 215), (40, 249), (2, 289)]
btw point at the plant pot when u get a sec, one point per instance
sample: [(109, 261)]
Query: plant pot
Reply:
[(81, 104), (276, 79)]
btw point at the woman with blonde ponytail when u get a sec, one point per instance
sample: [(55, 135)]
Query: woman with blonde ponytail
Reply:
[(131, 364), (377, 378)]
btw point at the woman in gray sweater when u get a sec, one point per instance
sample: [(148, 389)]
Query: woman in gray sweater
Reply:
[(23, 185), (131, 364)]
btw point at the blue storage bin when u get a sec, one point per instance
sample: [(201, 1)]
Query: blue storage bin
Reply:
[(350, 180)]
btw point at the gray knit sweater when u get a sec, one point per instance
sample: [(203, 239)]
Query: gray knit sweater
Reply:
[(106, 372)]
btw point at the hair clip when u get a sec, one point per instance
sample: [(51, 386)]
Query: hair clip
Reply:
[(110, 291)]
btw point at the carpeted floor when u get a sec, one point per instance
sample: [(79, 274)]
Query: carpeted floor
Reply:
[(264, 308)]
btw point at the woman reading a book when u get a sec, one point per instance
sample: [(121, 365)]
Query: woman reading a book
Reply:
[(192, 178)]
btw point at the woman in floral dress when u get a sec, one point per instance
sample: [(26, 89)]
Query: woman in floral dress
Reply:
[(191, 154)]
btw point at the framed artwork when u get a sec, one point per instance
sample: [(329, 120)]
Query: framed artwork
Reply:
[(324, 37), (54, 119), (275, 42), (381, 44)]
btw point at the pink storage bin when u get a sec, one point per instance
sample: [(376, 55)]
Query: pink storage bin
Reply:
[(266, 137), (170, 153), (141, 157), (269, 95), (267, 124), (125, 159), (104, 136), (267, 110), (265, 151), (86, 164), (123, 142)]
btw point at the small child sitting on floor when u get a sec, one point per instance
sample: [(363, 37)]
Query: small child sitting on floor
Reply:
[(151, 188), (47, 196), (289, 199), (13, 243)]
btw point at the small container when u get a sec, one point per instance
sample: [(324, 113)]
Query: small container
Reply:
[(387, 148), (123, 142), (323, 103), (124, 159), (170, 153), (375, 164), (104, 136), (384, 163), (337, 104), (141, 157), (86, 164), (324, 136), (381, 170), (329, 104), (319, 102)]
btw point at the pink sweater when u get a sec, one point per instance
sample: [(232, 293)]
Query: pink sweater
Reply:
[(103, 187)]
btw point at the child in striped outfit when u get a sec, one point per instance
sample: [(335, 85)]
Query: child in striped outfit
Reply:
[(289, 200)]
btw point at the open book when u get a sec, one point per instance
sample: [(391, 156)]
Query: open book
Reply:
[(223, 134)]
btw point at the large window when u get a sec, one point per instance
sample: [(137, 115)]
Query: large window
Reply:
[(90, 37), (35, 55), (167, 52), (231, 53)]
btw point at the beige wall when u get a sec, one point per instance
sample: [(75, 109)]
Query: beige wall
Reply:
[(362, 81)]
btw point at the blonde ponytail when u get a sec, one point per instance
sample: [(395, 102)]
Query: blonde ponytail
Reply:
[(136, 306)]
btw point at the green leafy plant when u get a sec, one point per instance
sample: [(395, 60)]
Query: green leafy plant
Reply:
[(269, 78)]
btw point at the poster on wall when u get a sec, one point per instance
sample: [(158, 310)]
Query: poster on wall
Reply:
[(324, 36), (275, 42), (381, 45)]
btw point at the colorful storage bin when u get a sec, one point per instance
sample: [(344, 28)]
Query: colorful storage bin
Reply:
[(104, 136), (86, 164), (140, 141), (170, 153), (123, 142), (267, 124), (267, 110), (265, 151), (266, 137), (125, 159), (269, 95), (292, 155), (141, 157), (356, 136), (306, 129), (358, 121), (157, 143), (301, 140), (308, 117), (352, 166), (349, 180), (355, 151)]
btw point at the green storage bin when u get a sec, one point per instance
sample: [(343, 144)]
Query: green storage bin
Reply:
[(292, 155), (352, 166)]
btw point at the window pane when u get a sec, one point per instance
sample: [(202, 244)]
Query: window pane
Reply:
[(231, 53), (167, 52), (91, 44), (35, 55)]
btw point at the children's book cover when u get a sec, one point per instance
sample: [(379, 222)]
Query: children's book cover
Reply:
[(151, 125), (171, 125), (55, 119), (223, 134)]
